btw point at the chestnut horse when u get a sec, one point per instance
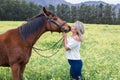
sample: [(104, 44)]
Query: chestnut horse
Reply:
[(16, 44)]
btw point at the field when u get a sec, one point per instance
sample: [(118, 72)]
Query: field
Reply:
[(100, 53)]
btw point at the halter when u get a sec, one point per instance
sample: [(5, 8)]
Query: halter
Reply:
[(56, 23)]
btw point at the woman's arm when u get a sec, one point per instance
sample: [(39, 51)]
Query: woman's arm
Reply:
[(65, 41)]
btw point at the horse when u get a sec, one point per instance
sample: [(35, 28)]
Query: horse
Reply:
[(16, 44)]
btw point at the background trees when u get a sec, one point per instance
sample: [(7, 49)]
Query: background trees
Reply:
[(98, 14), (17, 9)]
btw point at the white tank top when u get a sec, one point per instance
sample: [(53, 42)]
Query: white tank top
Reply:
[(74, 46)]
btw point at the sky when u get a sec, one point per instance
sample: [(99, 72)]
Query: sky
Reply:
[(107, 1)]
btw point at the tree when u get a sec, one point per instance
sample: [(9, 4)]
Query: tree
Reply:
[(114, 15), (2, 11), (82, 13), (66, 14), (52, 8), (92, 14), (107, 18), (17, 9), (58, 12), (118, 19), (100, 12), (73, 14), (63, 11)]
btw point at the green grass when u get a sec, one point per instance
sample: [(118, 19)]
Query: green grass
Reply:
[(100, 53)]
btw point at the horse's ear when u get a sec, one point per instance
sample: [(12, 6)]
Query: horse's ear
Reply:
[(46, 11)]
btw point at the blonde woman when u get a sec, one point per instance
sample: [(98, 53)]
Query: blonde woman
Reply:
[(72, 46)]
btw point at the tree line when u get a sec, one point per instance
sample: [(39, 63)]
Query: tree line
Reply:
[(17, 10), (97, 14)]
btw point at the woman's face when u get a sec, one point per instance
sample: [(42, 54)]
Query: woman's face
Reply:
[(73, 29)]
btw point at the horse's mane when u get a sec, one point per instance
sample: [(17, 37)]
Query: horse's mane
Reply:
[(32, 25), (36, 16)]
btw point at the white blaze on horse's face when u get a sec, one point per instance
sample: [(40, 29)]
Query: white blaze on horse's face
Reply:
[(55, 23)]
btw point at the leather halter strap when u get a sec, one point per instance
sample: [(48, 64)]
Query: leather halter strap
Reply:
[(56, 23)]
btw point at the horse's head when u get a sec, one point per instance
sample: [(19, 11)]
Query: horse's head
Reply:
[(54, 23)]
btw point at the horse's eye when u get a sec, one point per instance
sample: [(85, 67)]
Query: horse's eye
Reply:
[(54, 18)]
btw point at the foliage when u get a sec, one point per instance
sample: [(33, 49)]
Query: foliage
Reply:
[(17, 10), (100, 52)]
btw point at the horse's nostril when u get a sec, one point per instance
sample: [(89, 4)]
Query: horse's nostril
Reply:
[(69, 28)]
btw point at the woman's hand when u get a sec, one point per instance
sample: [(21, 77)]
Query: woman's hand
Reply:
[(64, 35), (65, 41)]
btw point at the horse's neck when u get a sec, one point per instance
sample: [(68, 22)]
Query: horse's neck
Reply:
[(31, 31), (33, 39)]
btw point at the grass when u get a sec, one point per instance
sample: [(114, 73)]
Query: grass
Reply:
[(100, 53)]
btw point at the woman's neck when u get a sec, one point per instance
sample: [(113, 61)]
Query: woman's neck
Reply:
[(76, 37), (74, 34)]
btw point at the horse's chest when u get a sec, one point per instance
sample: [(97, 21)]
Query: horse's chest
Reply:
[(3, 56), (2, 50)]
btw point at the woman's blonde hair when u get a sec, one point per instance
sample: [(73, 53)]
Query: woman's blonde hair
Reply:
[(80, 29)]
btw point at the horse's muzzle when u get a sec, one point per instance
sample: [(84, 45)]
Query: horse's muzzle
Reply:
[(67, 30)]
